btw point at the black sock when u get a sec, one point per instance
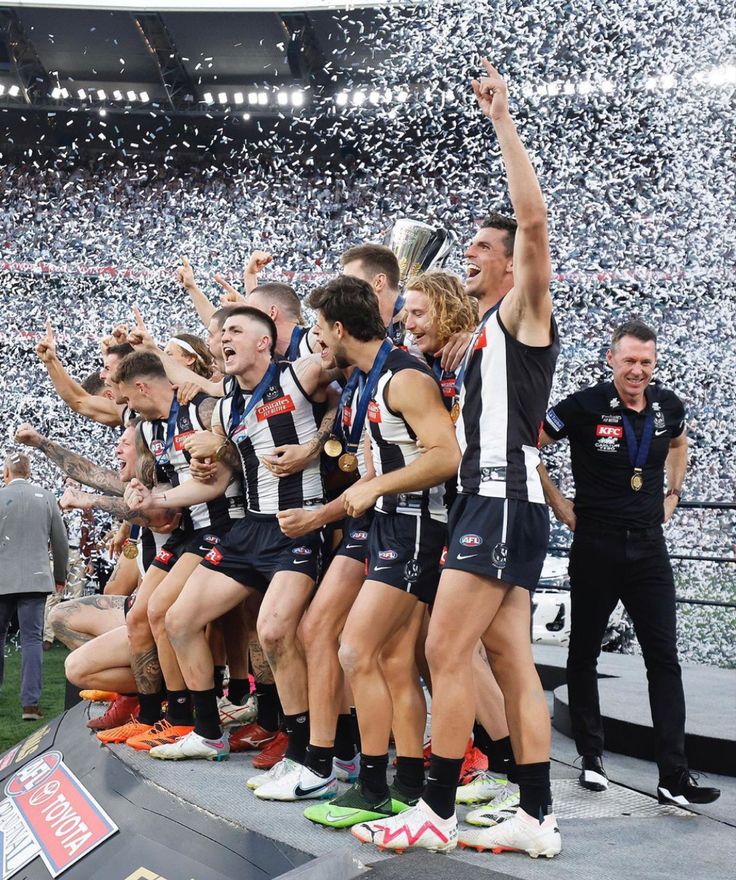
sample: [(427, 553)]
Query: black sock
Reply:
[(501, 758), (238, 690), (410, 775), (535, 794), (150, 708), (344, 738), (481, 739), (269, 706), (319, 760), (220, 681), (179, 708), (297, 729), (356, 729), (373, 776), (442, 782), (207, 721)]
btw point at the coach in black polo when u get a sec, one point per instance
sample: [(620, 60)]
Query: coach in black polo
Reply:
[(624, 436)]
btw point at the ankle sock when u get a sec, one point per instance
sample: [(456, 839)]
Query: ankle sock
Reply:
[(442, 782), (501, 758), (373, 776), (238, 690), (297, 729), (344, 738), (269, 706), (410, 775), (179, 708), (150, 708), (207, 721), (534, 789), (319, 760)]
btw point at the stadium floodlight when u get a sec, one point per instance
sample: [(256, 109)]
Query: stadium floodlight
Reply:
[(238, 97), (584, 87), (606, 86), (569, 88), (2, 89), (118, 95), (341, 99), (101, 94), (553, 89), (64, 94), (208, 99), (722, 76), (252, 98), (374, 97), (359, 98), (14, 91), (262, 98), (402, 95), (55, 93), (222, 97), (668, 81), (144, 97), (131, 95), (297, 98), (81, 94), (282, 99), (103, 112), (246, 116), (650, 84)]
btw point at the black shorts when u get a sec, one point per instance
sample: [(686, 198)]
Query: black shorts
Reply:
[(354, 542), (498, 538), (404, 552), (256, 548), (197, 541)]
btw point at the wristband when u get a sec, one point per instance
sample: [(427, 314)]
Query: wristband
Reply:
[(674, 492)]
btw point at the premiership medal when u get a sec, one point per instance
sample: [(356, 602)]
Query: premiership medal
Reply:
[(130, 550), (455, 412), (333, 447), (638, 452), (348, 462), (637, 481)]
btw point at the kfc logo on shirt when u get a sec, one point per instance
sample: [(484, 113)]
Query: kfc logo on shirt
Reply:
[(615, 431)]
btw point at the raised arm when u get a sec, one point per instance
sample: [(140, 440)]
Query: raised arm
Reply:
[(74, 465), (185, 277), (99, 409), (530, 299)]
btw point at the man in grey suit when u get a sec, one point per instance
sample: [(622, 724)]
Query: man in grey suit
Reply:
[(30, 522)]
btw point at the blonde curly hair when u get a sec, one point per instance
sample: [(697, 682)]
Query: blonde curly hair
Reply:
[(450, 308)]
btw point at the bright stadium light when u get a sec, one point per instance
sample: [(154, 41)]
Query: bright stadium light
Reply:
[(55, 94), (101, 95), (131, 95), (387, 95), (297, 98), (584, 88), (246, 116), (569, 88), (262, 98), (222, 97), (208, 99), (144, 97), (358, 98), (402, 95), (553, 88), (650, 84), (374, 97), (282, 99), (117, 94), (606, 86), (238, 97), (721, 76), (2, 89), (341, 99), (252, 98), (81, 94), (103, 112), (64, 94), (14, 91)]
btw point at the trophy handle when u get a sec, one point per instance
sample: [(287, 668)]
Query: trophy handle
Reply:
[(437, 249)]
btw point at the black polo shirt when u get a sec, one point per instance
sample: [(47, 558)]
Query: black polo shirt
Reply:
[(592, 419)]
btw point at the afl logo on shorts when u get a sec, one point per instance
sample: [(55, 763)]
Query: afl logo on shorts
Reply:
[(412, 570), (211, 539), (499, 555), (359, 536), (387, 555), (471, 540), (214, 556), (301, 551)]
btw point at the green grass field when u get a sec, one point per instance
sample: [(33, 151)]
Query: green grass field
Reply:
[(12, 729)]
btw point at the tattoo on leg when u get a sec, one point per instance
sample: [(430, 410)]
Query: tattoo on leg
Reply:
[(147, 671), (261, 668)]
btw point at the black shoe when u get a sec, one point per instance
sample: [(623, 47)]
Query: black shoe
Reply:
[(593, 776), (682, 789)]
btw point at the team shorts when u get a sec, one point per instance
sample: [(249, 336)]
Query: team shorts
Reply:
[(355, 532), (404, 552), (498, 538), (197, 541), (255, 549)]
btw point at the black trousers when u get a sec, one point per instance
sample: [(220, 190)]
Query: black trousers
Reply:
[(608, 564)]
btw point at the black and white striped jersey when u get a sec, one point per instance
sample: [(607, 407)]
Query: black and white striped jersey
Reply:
[(299, 344), (394, 444), (503, 401), (127, 415), (285, 415), (173, 465)]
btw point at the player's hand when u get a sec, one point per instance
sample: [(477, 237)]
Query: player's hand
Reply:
[(453, 352), (164, 521), (670, 503), (72, 499), (46, 348), (28, 435), (203, 445), (297, 522), (230, 295), (491, 93), (118, 539), (186, 392), (185, 275), (565, 514), (118, 336), (285, 460), (137, 496), (256, 264), (139, 337), (360, 497), (203, 471)]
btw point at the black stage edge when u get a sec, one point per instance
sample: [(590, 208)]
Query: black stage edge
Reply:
[(710, 730), (160, 836)]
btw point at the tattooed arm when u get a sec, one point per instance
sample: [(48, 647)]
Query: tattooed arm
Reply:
[(76, 466), (74, 498)]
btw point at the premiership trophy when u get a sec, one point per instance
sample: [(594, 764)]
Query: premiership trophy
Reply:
[(418, 246)]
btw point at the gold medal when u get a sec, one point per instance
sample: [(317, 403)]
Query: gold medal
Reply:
[(348, 462), (455, 412), (130, 550), (637, 481), (333, 447)]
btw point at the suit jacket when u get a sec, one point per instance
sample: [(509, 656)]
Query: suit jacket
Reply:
[(30, 522)]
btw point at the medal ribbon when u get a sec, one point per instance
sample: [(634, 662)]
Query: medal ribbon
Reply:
[(469, 353), (236, 416), (638, 452), (356, 380), (366, 393), (170, 431), (296, 337), (398, 306)]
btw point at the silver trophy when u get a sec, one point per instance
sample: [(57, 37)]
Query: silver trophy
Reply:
[(418, 246)]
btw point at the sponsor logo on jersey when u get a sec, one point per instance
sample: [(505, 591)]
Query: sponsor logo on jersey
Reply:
[(272, 394), (448, 386), (277, 407), (607, 444), (164, 556), (554, 420), (611, 420), (180, 438), (302, 551), (387, 555), (214, 556), (471, 540), (609, 431), (374, 412), (481, 341)]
